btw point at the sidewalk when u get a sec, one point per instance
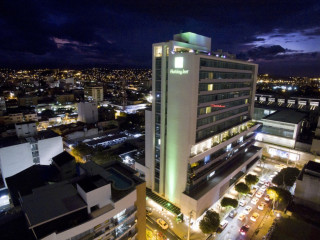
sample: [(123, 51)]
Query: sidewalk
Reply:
[(264, 227)]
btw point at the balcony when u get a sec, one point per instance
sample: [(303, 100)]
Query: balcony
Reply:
[(220, 140)]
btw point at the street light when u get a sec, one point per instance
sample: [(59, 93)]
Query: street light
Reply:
[(190, 216)]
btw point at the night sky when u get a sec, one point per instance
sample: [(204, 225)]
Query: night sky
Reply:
[(282, 36)]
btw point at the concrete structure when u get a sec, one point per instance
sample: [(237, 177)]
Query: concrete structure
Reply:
[(17, 154), (100, 203), (87, 112), (65, 98), (27, 101), (26, 129), (93, 94), (281, 128), (307, 190), (315, 147), (199, 134)]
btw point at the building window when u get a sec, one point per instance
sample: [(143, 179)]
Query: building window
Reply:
[(210, 87), (208, 110)]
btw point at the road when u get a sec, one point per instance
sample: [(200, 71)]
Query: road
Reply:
[(152, 225), (234, 225)]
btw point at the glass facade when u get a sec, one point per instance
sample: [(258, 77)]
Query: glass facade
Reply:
[(221, 96), (209, 109), (223, 64), (211, 119), (225, 85), (224, 75), (209, 131)]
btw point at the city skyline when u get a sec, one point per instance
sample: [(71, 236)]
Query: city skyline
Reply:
[(282, 37)]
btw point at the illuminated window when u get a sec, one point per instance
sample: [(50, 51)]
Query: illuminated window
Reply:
[(158, 51), (208, 110), (210, 75), (210, 87), (178, 62), (246, 101)]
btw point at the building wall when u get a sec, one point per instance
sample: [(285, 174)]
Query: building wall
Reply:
[(141, 213), (26, 130), (307, 192), (87, 112), (124, 203), (48, 148), (213, 195), (14, 159), (181, 122)]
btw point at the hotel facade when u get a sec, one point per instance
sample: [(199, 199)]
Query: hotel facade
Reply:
[(199, 134)]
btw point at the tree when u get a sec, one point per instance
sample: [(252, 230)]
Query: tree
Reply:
[(242, 188), (229, 202), (251, 179), (290, 175), (210, 222), (103, 157), (80, 151), (46, 114), (286, 177), (280, 195)]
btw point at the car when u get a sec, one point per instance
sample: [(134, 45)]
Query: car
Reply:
[(223, 224), (247, 210), (244, 229), (233, 213), (267, 198), (254, 216), (280, 166), (259, 194), (162, 223), (254, 200), (261, 206), (242, 202), (263, 188), (148, 211), (252, 192), (242, 216)]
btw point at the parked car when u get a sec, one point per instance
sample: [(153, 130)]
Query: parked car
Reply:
[(261, 206), (242, 202), (244, 229), (149, 211), (254, 216), (259, 194), (242, 216), (267, 198), (162, 223), (247, 210), (233, 213), (223, 224), (254, 200)]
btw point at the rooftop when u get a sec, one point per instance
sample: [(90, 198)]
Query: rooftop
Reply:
[(63, 158), (14, 140), (50, 202), (91, 183), (288, 116)]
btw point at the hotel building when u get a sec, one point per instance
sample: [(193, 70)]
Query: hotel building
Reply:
[(199, 134)]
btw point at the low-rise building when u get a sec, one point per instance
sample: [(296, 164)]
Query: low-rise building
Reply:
[(307, 190), (17, 154), (100, 203)]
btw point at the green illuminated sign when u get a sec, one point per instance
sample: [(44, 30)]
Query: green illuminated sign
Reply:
[(179, 71)]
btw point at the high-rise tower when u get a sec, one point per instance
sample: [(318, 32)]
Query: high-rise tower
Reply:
[(200, 131)]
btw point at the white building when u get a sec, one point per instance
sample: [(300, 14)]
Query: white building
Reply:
[(101, 204), (199, 136), (17, 154), (87, 112), (93, 94), (26, 129)]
